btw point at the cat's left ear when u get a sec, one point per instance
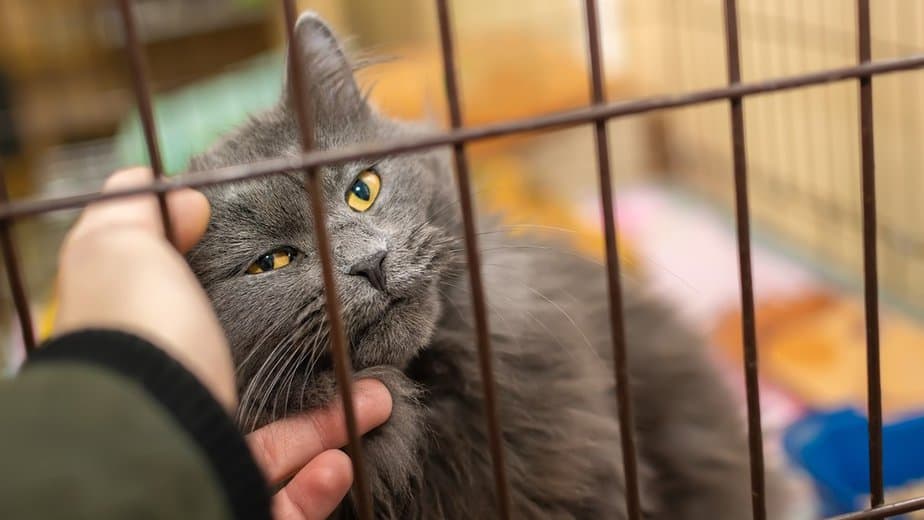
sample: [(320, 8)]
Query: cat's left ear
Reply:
[(332, 89)]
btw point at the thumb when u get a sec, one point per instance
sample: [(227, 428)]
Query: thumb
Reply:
[(188, 210)]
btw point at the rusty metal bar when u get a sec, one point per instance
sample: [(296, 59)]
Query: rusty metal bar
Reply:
[(870, 271), (554, 121), (338, 342), (614, 290), (142, 92), (492, 417), (886, 511), (743, 228), (14, 273)]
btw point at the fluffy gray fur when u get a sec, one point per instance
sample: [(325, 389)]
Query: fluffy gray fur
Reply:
[(549, 332)]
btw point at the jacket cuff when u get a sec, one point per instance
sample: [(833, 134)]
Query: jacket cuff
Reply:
[(183, 396)]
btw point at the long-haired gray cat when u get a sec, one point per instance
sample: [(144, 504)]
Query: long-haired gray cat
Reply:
[(398, 253)]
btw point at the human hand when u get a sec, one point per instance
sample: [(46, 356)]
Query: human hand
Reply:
[(306, 446), (118, 271)]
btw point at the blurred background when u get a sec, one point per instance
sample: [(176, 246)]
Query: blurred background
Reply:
[(67, 120)]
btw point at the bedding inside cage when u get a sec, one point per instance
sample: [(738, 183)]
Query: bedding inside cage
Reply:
[(832, 448)]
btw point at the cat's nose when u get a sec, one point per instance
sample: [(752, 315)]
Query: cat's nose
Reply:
[(371, 268)]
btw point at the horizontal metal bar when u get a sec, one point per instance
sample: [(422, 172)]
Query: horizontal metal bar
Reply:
[(546, 122), (886, 511)]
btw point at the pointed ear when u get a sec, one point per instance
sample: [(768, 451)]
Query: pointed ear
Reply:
[(331, 87)]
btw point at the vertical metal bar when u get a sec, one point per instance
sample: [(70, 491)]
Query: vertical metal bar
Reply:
[(474, 266), (143, 96), (339, 353), (870, 270), (14, 274), (755, 436), (617, 330)]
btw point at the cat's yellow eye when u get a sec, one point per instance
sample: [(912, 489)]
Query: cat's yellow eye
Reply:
[(275, 259), (363, 191)]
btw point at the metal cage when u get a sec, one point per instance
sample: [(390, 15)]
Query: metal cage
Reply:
[(597, 114)]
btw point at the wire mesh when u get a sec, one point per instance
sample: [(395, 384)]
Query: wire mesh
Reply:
[(597, 114)]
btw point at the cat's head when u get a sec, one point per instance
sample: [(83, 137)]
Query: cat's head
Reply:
[(393, 225)]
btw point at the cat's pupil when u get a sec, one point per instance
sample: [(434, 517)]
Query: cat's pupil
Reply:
[(361, 190), (265, 262)]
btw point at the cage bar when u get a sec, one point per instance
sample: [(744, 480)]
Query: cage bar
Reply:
[(492, 418), (614, 289), (559, 120), (598, 113), (13, 271), (870, 271), (886, 511), (341, 357), (743, 229), (142, 91)]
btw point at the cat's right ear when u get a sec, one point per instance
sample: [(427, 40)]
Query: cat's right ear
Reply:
[(331, 86)]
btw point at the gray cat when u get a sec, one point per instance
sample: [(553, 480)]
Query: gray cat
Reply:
[(397, 249)]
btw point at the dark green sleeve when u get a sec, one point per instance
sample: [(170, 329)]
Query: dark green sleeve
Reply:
[(101, 424)]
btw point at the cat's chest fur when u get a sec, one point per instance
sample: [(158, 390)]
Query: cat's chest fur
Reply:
[(550, 347), (554, 392)]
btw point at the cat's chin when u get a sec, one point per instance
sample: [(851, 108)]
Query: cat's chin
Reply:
[(402, 329)]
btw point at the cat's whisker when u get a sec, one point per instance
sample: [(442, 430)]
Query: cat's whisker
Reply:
[(530, 315), (557, 307), (303, 314), (505, 229), (245, 400), (514, 270), (554, 304), (248, 402), (269, 389), (565, 314), (303, 353), (309, 354), (448, 299), (262, 376), (319, 347), (281, 372), (443, 210), (531, 246), (314, 349), (624, 259)]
